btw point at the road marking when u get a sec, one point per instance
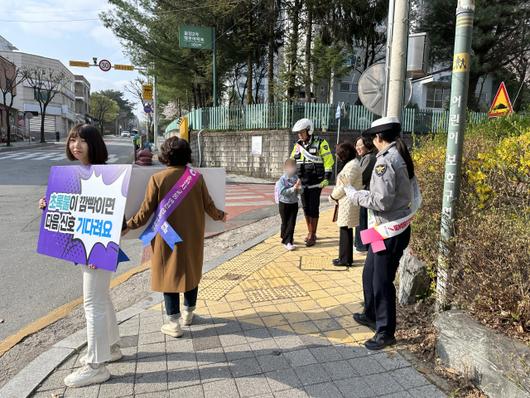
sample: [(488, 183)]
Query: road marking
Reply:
[(112, 158), (61, 312), (245, 197), (48, 155), (11, 155), (27, 156), (247, 204), (60, 157)]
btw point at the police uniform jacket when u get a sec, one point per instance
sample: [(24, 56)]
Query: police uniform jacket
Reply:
[(390, 191), (316, 167)]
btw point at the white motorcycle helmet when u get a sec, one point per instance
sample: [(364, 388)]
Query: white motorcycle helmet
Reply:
[(303, 124)]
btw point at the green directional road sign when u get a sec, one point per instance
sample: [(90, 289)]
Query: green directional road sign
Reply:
[(198, 37)]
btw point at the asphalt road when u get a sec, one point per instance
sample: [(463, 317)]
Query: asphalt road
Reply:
[(31, 285)]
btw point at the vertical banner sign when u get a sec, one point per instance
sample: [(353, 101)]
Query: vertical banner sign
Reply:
[(83, 220), (455, 140), (147, 92)]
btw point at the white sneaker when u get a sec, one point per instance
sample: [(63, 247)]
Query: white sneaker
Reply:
[(290, 247), (187, 317), (87, 375), (115, 355), (172, 329)]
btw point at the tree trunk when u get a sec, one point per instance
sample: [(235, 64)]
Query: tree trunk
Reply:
[(270, 53), (199, 95), (308, 40), (8, 126), (42, 117), (194, 93), (472, 99), (250, 77), (292, 53)]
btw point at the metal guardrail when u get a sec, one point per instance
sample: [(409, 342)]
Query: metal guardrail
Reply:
[(282, 115)]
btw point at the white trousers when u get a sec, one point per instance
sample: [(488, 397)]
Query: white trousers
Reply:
[(101, 325)]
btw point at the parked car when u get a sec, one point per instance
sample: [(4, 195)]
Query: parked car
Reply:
[(125, 134)]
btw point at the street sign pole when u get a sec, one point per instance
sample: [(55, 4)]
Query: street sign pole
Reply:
[(338, 115), (155, 111), (214, 68), (455, 140)]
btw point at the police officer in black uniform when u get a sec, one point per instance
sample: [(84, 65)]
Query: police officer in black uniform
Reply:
[(388, 199), (314, 164)]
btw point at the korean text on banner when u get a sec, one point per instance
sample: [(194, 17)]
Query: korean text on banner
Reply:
[(83, 220)]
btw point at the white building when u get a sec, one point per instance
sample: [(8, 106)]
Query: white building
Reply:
[(60, 114), (82, 98)]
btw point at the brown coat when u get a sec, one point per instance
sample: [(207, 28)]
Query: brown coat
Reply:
[(177, 270)]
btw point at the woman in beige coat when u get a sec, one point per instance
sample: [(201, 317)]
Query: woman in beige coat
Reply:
[(348, 214), (178, 269)]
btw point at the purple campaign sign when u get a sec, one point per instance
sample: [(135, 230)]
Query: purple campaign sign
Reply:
[(82, 222)]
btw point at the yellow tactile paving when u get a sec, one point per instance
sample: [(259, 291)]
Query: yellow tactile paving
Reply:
[(297, 292)]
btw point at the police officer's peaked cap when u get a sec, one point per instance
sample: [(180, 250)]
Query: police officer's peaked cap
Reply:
[(389, 125)]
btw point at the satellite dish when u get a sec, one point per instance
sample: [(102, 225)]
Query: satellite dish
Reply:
[(371, 88)]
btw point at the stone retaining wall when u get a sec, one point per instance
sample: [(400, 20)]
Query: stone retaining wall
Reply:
[(497, 364)]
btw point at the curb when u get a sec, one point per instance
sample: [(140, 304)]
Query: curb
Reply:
[(23, 148), (34, 373)]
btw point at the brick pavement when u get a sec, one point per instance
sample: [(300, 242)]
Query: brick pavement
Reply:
[(269, 323)]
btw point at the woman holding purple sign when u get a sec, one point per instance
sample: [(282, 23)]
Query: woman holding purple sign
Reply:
[(178, 199), (85, 144)]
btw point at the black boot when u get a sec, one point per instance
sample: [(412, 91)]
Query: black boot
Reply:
[(379, 341), (362, 319)]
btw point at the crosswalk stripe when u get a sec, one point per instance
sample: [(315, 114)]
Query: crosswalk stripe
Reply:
[(112, 159), (22, 157), (46, 156), (11, 155), (60, 157)]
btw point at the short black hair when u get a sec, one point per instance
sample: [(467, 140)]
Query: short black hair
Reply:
[(346, 151), (97, 150), (175, 152)]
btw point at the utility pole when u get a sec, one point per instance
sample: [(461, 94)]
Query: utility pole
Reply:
[(398, 58), (155, 112), (455, 139), (389, 26)]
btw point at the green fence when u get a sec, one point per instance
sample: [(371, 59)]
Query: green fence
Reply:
[(283, 115)]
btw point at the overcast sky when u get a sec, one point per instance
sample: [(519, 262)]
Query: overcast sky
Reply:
[(66, 30)]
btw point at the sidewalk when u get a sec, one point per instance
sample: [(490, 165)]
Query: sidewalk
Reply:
[(269, 323)]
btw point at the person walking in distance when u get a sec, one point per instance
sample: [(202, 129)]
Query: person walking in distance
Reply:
[(314, 166), (391, 202)]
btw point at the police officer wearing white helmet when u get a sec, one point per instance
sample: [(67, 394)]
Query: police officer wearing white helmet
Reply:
[(389, 203), (314, 164)]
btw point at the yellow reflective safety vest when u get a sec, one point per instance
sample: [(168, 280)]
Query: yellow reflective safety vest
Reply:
[(314, 160)]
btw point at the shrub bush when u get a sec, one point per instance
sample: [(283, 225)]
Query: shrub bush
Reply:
[(491, 258)]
